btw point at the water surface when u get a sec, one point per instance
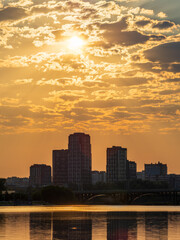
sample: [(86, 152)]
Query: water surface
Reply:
[(90, 223)]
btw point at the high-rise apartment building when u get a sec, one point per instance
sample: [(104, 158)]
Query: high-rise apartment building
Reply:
[(79, 160), (131, 170), (40, 175), (116, 164), (60, 167)]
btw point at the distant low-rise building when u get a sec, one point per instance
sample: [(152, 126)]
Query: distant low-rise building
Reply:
[(155, 171), (16, 182), (95, 177), (98, 177), (141, 175), (40, 175), (174, 181), (102, 176)]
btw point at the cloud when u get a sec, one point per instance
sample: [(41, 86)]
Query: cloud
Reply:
[(162, 15), (130, 38), (174, 68), (127, 81), (125, 72), (26, 118), (173, 80), (165, 53), (116, 33), (146, 12), (23, 81), (110, 103), (164, 25), (126, 38), (12, 13), (142, 23), (156, 26), (117, 26), (169, 92), (163, 111)]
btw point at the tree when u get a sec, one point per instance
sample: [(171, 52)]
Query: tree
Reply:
[(2, 184), (57, 195)]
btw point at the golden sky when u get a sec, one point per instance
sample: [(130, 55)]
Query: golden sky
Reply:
[(107, 68)]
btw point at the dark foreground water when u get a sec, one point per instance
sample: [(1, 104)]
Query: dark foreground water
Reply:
[(90, 223)]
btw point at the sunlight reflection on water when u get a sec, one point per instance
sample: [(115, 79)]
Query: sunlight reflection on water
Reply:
[(89, 208), (90, 223)]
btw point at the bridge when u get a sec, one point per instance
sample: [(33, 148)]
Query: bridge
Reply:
[(130, 196)]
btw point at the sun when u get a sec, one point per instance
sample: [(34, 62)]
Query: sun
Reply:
[(75, 43)]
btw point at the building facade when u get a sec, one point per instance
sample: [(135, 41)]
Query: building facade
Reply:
[(79, 160), (40, 175), (16, 182), (131, 169), (154, 171), (141, 175), (60, 167), (116, 164), (174, 181), (98, 177)]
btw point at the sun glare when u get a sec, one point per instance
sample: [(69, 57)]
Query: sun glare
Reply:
[(75, 43)]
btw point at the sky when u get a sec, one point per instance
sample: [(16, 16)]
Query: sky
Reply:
[(110, 69)]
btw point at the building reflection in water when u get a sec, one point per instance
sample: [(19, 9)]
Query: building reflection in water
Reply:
[(122, 226), (156, 225), (72, 226), (14, 226), (40, 226), (173, 224), (99, 226), (60, 225), (2, 225)]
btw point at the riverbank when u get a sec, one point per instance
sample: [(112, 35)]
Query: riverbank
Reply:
[(41, 203)]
